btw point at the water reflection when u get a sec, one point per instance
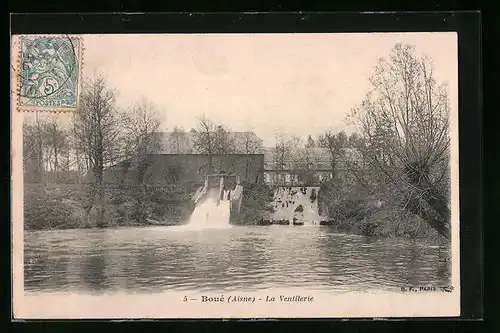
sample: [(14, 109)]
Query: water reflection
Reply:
[(161, 258), (92, 272)]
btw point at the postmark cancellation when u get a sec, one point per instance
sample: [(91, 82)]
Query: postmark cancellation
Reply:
[(47, 72)]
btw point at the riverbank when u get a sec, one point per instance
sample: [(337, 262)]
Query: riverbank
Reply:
[(67, 206)]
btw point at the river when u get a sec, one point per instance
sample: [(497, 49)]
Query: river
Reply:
[(159, 259)]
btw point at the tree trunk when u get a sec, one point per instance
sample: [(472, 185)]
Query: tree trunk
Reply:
[(40, 166), (436, 222), (56, 165), (100, 223), (178, 145), (440, 218), (210, 162), (246, 170), (334, 167), (99, 179), (140, 192)]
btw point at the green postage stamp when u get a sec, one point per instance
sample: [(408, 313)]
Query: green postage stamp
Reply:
[(48, 73)]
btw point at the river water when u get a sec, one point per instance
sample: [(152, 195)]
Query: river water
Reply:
[(158, 259)]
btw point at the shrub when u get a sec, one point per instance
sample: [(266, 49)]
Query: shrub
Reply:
[(47, 213), (255, 204)]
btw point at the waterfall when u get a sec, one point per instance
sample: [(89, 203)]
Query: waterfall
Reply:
[(214, 211), (296, 203)]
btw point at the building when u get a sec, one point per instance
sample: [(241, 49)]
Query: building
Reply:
[(178, 162), (166, 169), (310, 166)]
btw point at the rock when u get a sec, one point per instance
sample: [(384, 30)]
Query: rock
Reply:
[(265, 222), (313, 195)]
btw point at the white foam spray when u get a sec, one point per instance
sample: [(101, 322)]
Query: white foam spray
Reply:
[(213, 212)]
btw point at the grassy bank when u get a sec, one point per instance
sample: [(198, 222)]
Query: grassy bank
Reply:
[(68, 206)]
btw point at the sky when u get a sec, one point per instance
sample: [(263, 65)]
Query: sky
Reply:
[(297, 84)]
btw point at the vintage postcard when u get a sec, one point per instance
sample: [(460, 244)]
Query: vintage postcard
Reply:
[(235, 175)]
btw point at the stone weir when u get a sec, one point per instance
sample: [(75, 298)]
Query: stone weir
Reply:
[(296, 205)]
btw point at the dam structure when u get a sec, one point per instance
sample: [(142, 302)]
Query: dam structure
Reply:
[(221, 197), (208, 189), (296, 205)]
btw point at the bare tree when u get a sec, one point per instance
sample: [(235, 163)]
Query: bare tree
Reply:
[(179, 141), (97, 134), (297, 158), (282, 153), (335, 144), (75, 142), (286, 155), (141, 123), (224, 141), (211, 138), (33, 151), (310, 142), (45, 143), (304, 162), (204, 139), (56, 143), (249, 143), (403, 122), (354, 140)]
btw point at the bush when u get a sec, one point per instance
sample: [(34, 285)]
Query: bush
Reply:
[(356, 211), (387, 221), (48, 213), (255, 204)]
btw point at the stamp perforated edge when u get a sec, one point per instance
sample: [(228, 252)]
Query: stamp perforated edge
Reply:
[(16, 82)]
